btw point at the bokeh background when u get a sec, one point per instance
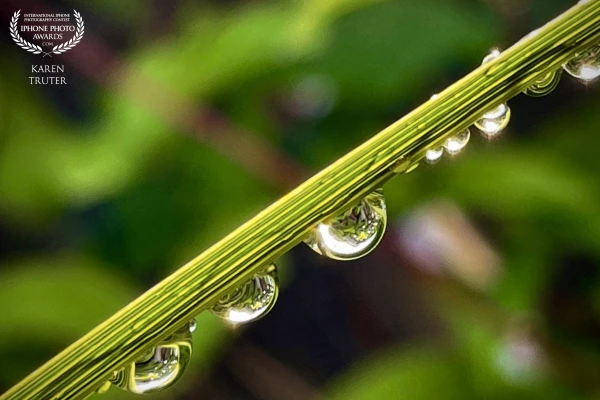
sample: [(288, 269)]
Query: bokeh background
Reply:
[(181, 119)]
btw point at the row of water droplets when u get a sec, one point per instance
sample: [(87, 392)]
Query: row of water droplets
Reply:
[(346, 236), (584, 66), (490, 124), (158, 368), (163, 365)]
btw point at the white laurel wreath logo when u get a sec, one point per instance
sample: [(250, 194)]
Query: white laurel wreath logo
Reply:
[(58, 49)]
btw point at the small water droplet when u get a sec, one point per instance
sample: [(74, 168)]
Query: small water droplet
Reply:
[(434, 155), (253, 300), (353, 233), (158, 368), (491, 123), (495, 53), (545, 84), (585, 65), (456, 143)]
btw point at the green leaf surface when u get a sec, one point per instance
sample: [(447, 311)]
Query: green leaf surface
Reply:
[(402, 373)]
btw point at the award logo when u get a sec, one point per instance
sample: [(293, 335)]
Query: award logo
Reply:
[(50, 27), (47, 34)]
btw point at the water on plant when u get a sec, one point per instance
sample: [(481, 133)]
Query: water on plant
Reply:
[(160, 367), (585, 65), (493, 122), (456, 143), (434, 155), (252, 300), (353, 233)]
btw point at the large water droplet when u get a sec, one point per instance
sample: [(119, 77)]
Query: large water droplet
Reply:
[(353, 233), (434, 155), (491, 123), (585, 65), (253, 300), (160, 367), (454, 144), (544, 84)]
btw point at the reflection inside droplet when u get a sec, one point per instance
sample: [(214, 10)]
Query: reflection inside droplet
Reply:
[(434, 155), (456, 143), (353, 233), (252, 300), (494, 121), (544, 84), (159, 367), (585, 65), (589, 72), (159, 371)]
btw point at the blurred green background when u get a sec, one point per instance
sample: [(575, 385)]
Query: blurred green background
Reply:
[(181, 119)]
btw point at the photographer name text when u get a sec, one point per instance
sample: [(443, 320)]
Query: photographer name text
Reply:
[(48, 80)]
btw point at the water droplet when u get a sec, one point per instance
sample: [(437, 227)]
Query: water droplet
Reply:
[(353, 233), (495, 53), (456, 143), (491, 123), (585, 65), (158, 368), (434, 155), (545, 84), (253, 300)]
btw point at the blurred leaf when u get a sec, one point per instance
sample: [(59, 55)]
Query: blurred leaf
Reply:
[(228, 47), (403, 373), (56, 301), (496, 361), (375, 57), (126, 13), (189, 199), (516, 182), (53, 302), (84, 165)]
